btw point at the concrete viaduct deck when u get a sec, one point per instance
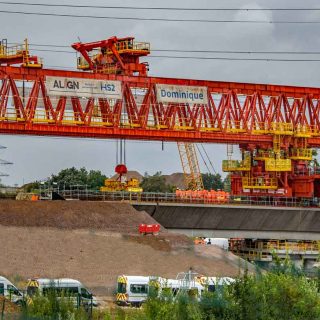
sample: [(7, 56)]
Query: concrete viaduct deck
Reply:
[(236, 221)]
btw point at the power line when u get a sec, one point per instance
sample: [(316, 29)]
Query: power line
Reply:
[(237, 51), (159, 19), (200, 51), (175, 50), (156, 8), (236, 59), (202, 58), (183, 50), (215, 58)]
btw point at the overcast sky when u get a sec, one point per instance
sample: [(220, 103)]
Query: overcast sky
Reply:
[(38, 157)]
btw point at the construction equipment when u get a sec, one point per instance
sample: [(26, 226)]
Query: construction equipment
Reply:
[(146, 229), (121, 183), (18, 54), (113, 56), (275, 126), (190, 166)]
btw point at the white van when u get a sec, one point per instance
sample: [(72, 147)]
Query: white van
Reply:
[(212, 283), (132, 290), (8, 290), (62, 287)]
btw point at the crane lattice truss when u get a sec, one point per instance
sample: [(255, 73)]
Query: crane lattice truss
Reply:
[(275, 126), (190, 166)]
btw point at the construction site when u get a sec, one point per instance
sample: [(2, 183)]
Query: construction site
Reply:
[(267, 210)]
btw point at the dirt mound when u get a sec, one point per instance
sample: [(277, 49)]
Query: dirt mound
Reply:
[(73, 215), (130, 175), (97, 257), (175, 179), (95, 242)]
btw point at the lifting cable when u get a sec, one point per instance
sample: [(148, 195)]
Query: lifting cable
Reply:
[(203, 159), (120, 151), (208, 159)]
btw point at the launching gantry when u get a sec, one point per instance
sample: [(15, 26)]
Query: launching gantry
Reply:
[(275, 126)]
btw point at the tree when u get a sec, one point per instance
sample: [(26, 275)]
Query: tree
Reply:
[(155, 183), (31, 187), (66, 178), (95, 179), (212, 181)]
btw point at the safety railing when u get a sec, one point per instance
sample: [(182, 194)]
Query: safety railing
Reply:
[(13, 51), (235, 127), (11, 115), (145, 46), (300, 154), (260, 128), (314, 130), (264, 154), (259, 183), (307, 171), (214, 198), (20, 52), (82, 63), (302, 131), (236, 165), (290, 247), (278, 165), (281, 128), (127, 45), (275, 246)]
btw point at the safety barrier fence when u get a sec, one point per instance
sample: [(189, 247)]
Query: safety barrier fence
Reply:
[(146, 197)]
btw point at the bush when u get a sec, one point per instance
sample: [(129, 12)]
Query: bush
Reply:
[(285, 293), (51, 307)]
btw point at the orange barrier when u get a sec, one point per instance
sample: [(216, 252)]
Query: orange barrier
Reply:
[(34, 197), (211, 196)]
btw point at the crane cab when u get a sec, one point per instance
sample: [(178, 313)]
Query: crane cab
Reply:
[(113, 56)]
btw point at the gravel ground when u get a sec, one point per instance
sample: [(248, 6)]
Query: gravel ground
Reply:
[(95, 242)]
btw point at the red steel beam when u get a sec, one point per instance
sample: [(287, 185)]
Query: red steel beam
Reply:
[(239, 116), (20, 73), (127, 133)]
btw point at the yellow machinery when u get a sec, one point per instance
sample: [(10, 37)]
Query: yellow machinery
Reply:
[(121, 184), (112, 185), (18, 54)]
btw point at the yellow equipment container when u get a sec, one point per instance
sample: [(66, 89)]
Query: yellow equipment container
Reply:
[(133, 185), (111, 185)]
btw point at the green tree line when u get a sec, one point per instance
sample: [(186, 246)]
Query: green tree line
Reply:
[(94, 179)]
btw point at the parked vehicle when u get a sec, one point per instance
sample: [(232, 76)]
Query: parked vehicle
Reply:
[(134, 290), (8, 290), (71, 288)]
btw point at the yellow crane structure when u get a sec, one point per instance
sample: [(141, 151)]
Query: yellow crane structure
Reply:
[(190, 166)]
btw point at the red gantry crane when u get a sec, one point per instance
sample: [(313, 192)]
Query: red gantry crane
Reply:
[(275, 126)]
